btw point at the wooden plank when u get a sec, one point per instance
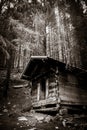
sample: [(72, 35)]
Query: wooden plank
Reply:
[(70, 89), (38, 92), (20, 86), (51, 100), (47, 109), (73, 94), (47, 88), (72, 103), (53, 90), (34, 99), (52, 95)]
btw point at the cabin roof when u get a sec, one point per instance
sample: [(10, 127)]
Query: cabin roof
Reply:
[(36, 64)]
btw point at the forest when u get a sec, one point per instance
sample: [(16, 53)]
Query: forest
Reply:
[(52, 28), (56, 28)]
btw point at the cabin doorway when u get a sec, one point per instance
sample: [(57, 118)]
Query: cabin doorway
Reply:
[(42, 89)]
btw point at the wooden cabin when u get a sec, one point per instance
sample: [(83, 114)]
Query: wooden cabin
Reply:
[(53, 84)]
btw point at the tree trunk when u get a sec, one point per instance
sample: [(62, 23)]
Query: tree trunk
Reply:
[(19, 58), (7, 80)]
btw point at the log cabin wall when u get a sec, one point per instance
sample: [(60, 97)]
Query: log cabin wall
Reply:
[(61, 40), (60, 86), (53, 91), (38, 92), (70, 91), (45, 94), (52, 87)]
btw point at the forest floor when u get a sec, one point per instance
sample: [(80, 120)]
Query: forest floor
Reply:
[(38, 121), (16, 113)]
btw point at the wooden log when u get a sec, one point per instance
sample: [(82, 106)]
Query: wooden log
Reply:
[(52, 109)]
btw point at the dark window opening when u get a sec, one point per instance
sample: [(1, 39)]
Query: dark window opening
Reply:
[(43, 89)]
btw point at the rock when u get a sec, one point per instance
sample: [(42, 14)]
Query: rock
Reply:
[(32, 128), (9, 103), (17, 123), (63, 111), (64, 123), (57, 128), (75, 125), (58, 117), (39, 117), (69, 121), (5, 110), (14, 106), (22, 118), (32, 111), (1, 114), (48, 119)]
